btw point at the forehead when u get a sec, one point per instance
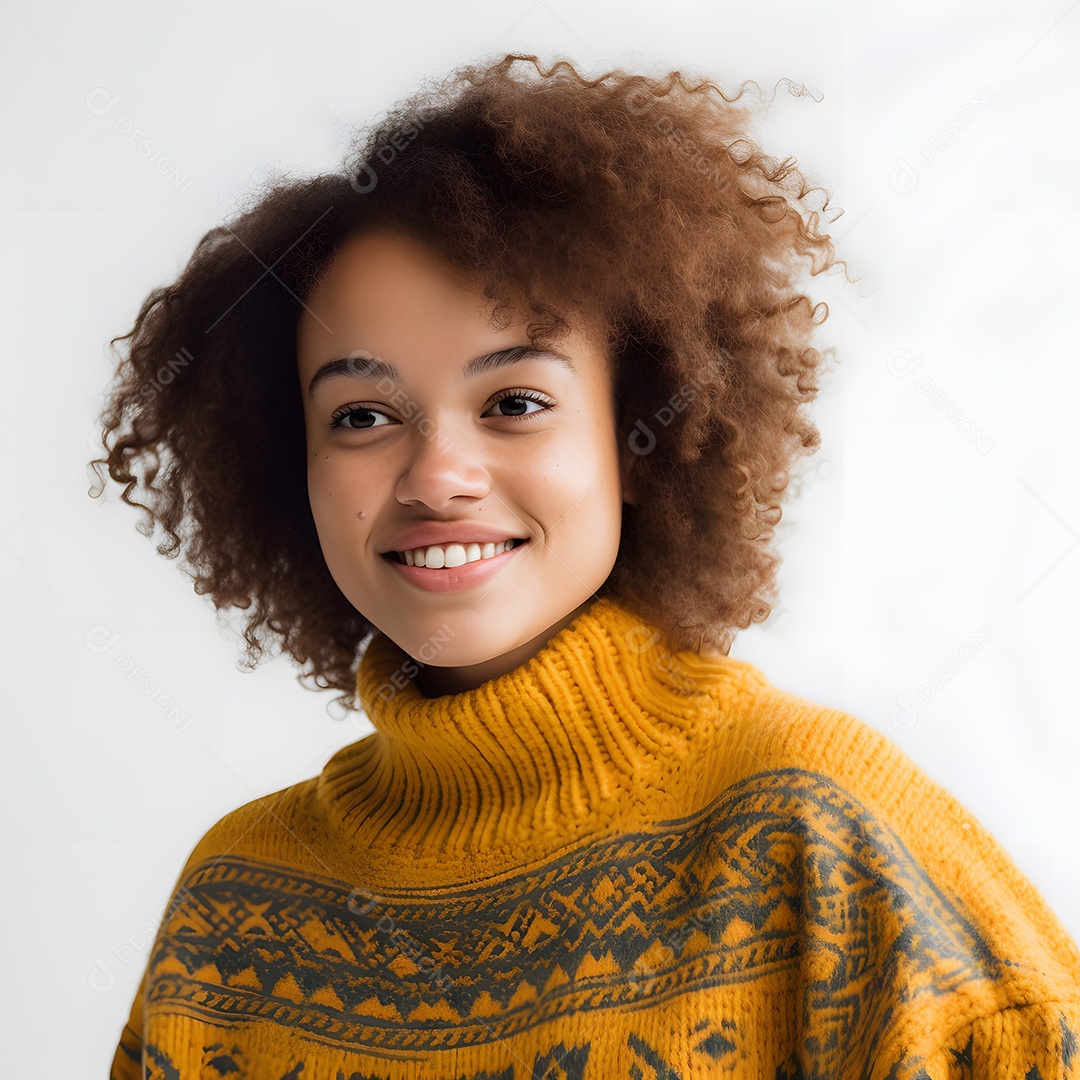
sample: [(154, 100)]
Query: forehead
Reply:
[(382, 270), (384, 286)]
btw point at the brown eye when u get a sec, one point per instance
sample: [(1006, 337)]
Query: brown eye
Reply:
[(365, 418), (515, 404)]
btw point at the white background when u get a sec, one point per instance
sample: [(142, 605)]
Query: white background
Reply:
[(946, 133)]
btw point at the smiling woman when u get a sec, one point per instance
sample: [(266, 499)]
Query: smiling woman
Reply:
[(528, 395), (409, 516)]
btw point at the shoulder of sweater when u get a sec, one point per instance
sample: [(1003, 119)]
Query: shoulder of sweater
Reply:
[(765, 731), (786, 734), (774, 729), (840, 775), (780, 729), (268, 826)]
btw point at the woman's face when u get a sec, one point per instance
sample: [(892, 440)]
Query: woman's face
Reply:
[(421, 453)]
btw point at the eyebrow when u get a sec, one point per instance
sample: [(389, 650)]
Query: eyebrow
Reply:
[(374, 368)]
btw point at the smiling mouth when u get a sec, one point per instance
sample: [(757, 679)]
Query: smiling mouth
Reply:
[(449, 556)]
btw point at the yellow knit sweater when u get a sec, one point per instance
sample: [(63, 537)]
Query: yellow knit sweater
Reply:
[(612, 862)]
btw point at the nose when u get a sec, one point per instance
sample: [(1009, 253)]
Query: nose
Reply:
[(443, 463)]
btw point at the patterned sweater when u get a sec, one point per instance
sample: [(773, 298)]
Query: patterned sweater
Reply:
[(611, 862)]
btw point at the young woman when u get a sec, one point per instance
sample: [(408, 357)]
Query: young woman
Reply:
[(490, 431)]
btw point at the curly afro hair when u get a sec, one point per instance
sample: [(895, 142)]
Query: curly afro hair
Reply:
[(639, 198)]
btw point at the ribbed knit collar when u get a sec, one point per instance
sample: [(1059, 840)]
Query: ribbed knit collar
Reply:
[(601, 726)]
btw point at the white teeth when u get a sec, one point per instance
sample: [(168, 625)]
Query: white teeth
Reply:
[(435, 557)]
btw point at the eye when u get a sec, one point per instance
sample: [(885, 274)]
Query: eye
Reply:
[(366, 418), (518, 401)]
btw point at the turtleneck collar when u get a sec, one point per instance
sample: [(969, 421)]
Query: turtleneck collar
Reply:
[(601, 727)]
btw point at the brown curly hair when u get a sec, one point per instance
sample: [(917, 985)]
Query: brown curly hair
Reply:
[(639, 197)]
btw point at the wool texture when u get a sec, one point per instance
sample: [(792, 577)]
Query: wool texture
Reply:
[(615, 861)]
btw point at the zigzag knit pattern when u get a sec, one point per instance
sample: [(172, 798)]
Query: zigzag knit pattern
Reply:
[(614, 861)]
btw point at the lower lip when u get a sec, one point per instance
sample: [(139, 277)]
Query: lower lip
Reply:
[(455, 578)]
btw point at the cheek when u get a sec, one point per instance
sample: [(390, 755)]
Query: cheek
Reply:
[(586, 487), (336, 500), (321, 484)]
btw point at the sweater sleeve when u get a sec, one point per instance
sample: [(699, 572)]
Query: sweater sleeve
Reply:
[(1030, 1042), (983, 979), (222, 836), (127, 1061)]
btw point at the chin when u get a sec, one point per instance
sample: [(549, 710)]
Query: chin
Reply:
[(464, 648), (461, 640)]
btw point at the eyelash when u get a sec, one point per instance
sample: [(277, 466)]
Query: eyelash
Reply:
[(339, 415)]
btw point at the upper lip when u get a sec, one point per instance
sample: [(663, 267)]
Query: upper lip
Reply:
[(428, 533)]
